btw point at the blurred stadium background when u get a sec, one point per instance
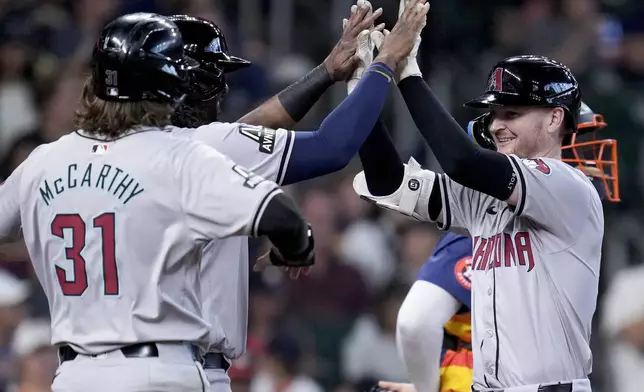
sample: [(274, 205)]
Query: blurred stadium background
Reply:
[(333, 330)]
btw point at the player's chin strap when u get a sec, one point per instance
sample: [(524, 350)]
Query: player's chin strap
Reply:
[(411, 198)]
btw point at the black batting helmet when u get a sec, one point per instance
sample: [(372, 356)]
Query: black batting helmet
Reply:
[(596, 157), (140, 57), (532, 81), (206, 43)]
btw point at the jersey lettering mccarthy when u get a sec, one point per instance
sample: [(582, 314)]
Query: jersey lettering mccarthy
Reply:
[(535, 273), (115, 231), (266, 152)]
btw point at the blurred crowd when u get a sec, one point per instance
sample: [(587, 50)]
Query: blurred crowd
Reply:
[(334, 330)]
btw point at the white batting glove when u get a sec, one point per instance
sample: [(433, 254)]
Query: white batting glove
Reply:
[(411, 67), (364, 50), (365, 53), (377, 37)]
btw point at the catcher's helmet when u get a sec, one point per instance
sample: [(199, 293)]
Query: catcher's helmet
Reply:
[(532, 81), (140, 57), (596, 158), (205, 42)]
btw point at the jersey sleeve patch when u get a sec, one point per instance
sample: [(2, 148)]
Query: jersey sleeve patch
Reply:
[(539, 165), (463, 272), (264, 137), (251, 180)]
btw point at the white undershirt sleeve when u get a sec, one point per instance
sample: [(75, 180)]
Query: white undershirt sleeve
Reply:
[(419, 332)]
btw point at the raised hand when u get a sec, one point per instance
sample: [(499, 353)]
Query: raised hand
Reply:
[(365, 47), (343, 59), (398, 45), (411, 67)]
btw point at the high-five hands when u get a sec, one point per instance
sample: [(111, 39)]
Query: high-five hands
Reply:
[(410, 67), (397, 49), (397, 46), (364, 45), (343, 59)]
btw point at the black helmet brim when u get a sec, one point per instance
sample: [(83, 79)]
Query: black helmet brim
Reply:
[(488, 99), (233, 63)]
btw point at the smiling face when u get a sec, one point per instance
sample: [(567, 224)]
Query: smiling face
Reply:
[(526, 131)]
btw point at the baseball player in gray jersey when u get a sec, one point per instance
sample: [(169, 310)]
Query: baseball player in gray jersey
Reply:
[(115, 216), (536, 222), (434, 299), (280, 155)]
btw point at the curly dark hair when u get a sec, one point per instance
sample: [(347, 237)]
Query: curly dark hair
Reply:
[(195, 114)]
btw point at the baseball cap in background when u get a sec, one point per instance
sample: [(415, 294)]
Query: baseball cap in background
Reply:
[(30, 336), (13, 291)]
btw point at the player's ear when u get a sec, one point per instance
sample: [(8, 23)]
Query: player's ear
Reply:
[(556, 120)]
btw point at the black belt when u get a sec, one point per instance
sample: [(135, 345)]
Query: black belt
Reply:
[(215, 361), (139, 350), (561, 387)]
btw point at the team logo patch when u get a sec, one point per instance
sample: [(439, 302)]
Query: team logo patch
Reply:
[(250, 179), (495, 82), (463, 272), (265, 137), (99, 148), (538, 164)]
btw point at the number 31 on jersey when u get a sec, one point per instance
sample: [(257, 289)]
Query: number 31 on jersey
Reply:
[(77, 228)]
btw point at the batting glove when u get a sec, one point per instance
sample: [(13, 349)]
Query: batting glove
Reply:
[(364, 49), (411, 68)]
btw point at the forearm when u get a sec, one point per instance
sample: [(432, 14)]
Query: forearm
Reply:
[(270, 114), (463, 161), (291, 105), (383, 168), (284, 226), (341, 134), (419, 332)]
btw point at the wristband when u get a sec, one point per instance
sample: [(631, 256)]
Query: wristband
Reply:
[(298, 98)]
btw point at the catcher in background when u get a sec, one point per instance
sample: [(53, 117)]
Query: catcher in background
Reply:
[(434, 321)]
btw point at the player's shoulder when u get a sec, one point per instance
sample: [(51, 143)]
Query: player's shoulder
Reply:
[(222, 128), (38, 154), (546, 167), (180, 145)]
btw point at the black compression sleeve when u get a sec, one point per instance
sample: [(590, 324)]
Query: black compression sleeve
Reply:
[(463, 161), (298, 98), (383, 168), (284, 225)]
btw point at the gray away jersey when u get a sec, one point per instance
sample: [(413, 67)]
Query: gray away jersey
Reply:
[(225, 277), (535, 273), (115, 231)]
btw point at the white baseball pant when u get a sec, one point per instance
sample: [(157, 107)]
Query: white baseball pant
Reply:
[(174, 370), (218, 379)]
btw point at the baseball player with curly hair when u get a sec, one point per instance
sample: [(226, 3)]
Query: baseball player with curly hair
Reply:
[(536, 222), (260, 141)]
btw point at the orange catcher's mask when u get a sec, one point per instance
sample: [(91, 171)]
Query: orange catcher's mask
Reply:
[(597, 158)]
